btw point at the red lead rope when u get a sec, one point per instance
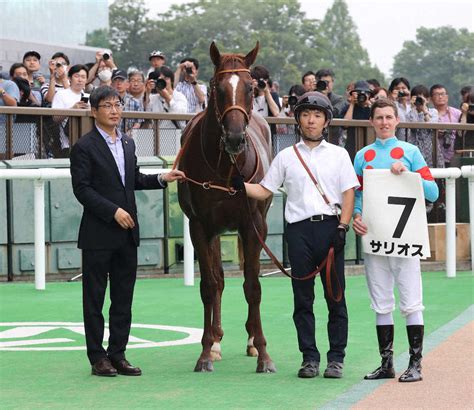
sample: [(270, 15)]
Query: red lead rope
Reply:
[(328, 262)]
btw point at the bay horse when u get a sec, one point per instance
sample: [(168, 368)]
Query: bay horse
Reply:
[(223, 141)]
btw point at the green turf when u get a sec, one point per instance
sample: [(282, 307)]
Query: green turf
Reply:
[(54, 379)]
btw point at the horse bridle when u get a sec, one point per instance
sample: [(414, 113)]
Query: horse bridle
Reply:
[(220, 116)]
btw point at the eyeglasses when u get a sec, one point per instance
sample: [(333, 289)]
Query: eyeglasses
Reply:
[(136, 81), (108, 107), (440, 94)]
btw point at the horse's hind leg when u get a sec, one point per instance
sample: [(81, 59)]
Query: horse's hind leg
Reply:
[(253, 294)]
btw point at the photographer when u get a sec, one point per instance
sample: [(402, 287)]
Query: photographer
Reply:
[(186, 79), (439, 96), (31, 60), (58, 79), (160, 97), (265, 102), (423, 138), (157, 60), (325, 84), (357, 109), (18, 71), (399, 90), (102, 69), (287, 110)]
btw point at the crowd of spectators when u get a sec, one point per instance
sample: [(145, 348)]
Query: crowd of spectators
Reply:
[(162, 89)]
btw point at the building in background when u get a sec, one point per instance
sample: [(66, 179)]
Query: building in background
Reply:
[(48, 26)]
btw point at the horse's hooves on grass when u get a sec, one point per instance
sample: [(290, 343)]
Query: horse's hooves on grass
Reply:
[(266, 367), (216, 356), (204, 366), (252, 351)]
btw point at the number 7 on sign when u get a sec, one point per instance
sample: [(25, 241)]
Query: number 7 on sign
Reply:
[(409, 203)]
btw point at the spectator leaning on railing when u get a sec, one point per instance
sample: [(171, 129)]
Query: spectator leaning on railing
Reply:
[(440, 98), (18, 70), (58, 78), (120, 84)]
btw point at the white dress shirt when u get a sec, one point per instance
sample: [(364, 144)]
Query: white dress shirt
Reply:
[(330, 165)]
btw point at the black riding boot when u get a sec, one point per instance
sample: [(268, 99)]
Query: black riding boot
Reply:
[(415, 338), (386, 370)]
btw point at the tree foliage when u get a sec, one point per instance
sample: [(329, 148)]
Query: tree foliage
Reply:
[(442, 55), (290, 43), (98, 38)]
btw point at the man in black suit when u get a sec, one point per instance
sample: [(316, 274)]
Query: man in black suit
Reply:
[(105, 176)]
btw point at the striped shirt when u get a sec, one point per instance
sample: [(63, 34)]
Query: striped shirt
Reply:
[(116, 148), (193, 102)]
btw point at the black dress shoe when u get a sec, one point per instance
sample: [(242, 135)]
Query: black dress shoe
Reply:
[(125, 368), (103, 367), (308, 369)]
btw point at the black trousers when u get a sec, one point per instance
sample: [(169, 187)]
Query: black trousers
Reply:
[(120, 266), (308, 245)]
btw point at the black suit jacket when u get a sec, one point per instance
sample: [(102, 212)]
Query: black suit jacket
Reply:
[(98, 187)]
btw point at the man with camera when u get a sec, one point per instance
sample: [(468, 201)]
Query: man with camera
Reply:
[(160, 97), (357, 109), (265, 102), (186, 82), (423, 137), (325, 85), (102, 69), (58, 78), (157, 60), (31, 60), (309, 81)]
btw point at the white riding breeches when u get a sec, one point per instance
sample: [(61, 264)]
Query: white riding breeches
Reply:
[(383, 272)]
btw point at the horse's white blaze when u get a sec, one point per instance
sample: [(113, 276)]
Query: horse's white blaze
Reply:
[(234, 81)]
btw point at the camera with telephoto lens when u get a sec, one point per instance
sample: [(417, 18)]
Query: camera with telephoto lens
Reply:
[(261, 84), (189, 70), (419, 101), (402, 94), (471, 107), (105, 56), (321, 85), (292, 100)]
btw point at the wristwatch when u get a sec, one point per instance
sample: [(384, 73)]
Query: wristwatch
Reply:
[(343, 226), (3, 92), (194, 82)]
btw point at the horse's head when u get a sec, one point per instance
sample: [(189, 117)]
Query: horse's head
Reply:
[(232, 95)]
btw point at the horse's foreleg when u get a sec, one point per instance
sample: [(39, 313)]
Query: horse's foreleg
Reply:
[(253, 295), (208, 288), (217, 330)]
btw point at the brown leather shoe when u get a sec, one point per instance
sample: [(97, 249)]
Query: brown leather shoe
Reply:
[(103, 367), (125, 368)]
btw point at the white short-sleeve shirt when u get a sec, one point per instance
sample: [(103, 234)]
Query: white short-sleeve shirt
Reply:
[(330, 165)]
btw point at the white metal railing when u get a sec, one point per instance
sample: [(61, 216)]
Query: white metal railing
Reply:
[(39, 176)]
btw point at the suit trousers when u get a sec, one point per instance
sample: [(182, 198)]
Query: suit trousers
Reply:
[(308, 245), (119, 266)]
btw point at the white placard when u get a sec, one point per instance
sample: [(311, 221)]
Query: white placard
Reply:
[(395, 214)]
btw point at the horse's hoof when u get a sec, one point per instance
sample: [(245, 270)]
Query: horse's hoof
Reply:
[(216, 356), (252, 351), (266, 367), (204, 366)]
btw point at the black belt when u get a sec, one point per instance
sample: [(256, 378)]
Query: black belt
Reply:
[(322, 217)]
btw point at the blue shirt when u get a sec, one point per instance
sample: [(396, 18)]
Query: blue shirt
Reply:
[(116, 148), (382, 154)]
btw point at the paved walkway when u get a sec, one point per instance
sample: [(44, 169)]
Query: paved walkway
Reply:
[(448, 375)]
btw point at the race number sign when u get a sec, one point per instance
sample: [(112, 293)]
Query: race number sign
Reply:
[(395, 214)]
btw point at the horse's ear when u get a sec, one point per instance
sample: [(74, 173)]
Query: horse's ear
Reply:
[(215, 54), (252, 55)]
